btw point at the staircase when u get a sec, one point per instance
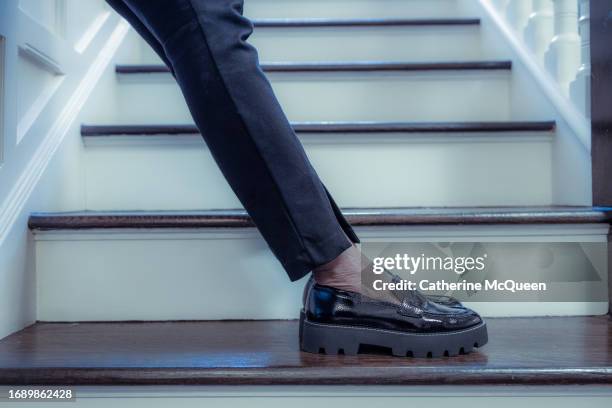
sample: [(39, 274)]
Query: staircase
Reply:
[(401, 106), (424, 127)]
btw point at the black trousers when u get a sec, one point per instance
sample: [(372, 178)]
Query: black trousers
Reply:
[(203, 42)]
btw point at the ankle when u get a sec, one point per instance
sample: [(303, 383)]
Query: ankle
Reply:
[(337, 282), (343, 272)]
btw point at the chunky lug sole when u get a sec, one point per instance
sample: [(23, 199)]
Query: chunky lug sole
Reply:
[(340, 339)]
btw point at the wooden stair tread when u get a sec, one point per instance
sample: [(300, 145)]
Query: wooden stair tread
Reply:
[(357, 66), (238, 218), (335, 127), (362, 22), (266, 353)]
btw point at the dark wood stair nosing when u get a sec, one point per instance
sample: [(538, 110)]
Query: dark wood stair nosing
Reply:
[(357, 217), (361, 22), (334, 127), (205, 353), (354, 66), (350, 375)]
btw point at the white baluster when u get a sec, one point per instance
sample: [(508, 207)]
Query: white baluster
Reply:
[(518, 15), (563, 55), (501, 6), (540, 28), (580, 89)]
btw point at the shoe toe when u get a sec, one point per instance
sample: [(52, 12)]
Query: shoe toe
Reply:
[(466, 319)]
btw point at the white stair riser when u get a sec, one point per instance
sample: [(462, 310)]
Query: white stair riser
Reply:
[(343, 396), (179, 173), (230, 274), (352, 8), (432, 96), (420, 43)]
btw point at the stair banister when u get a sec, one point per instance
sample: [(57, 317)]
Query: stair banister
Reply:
[(540, 28), (580, 88), (518, 13), (557, 33), (563, 55)]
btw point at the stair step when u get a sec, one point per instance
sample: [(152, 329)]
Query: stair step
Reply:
[(337, 92), (75, 220), (377, 158), (333, 39), (365, 66), (244, 353), (178, 265), (334, 127), (353, 9)]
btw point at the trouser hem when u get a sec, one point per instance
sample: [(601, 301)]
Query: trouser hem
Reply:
[(319, 254)]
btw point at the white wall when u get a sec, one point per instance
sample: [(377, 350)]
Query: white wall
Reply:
[(51, 67)]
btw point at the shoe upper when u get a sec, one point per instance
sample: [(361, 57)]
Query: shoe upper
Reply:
[(445, 300), (439, 299), (309, 284), (415, 313)]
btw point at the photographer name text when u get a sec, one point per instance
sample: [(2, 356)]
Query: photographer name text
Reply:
[(508, 285)]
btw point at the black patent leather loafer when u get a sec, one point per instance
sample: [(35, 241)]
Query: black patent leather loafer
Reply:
[(439, 299), (336, 321), (448, 301)]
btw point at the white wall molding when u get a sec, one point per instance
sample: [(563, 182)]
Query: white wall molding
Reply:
[(42, 44), (40, 58), (13, 204), (37, 107), (578, 122)]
